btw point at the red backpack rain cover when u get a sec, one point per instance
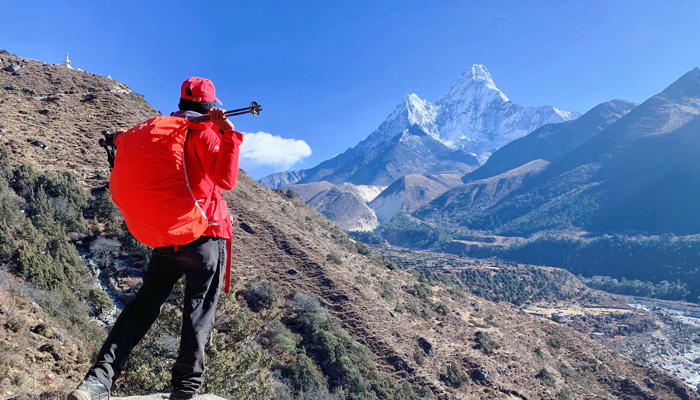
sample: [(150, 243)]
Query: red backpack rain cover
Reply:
[(149, 184)]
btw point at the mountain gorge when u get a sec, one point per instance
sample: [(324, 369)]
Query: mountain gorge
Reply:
[(315, 315)]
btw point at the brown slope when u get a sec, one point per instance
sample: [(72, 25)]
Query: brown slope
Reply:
[(289, 247), (456, 205), (288, 242), (66, 109)]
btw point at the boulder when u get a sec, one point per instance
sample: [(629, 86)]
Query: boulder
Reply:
[(399, 364), (426, 346), (38, 143), (247, 228), (12, 68)]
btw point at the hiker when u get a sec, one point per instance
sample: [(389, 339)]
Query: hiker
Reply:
[(211, 153)]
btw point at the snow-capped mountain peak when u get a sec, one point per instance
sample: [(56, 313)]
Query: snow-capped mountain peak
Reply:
[(474, 116), (567, 115), (422, 113), (475, 84), (479, 72)]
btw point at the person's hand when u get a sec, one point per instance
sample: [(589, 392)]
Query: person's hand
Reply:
[(217, 116)]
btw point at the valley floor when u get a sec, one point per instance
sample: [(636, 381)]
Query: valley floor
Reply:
[(673, 347), (661, 334)]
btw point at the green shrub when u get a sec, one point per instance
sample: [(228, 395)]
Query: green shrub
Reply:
[(279, 338), (362, 249), (362, 280), (332, 257), (303, 375), (99, 301), (539, 353), (5, 165), (555, 343), (565, 394), (485, 343), (101, 205), (367, 237), (546, 377), (388, 291), (419, 355), (260, 295), (422, 291), (442, 309), (455, 376)]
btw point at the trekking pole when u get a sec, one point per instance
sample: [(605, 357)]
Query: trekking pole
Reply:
[(107, 142), (254, 108)]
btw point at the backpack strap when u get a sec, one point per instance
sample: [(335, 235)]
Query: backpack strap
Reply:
[(227, 282), (209, 198)]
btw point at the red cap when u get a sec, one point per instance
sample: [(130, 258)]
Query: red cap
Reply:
[(198, 89)]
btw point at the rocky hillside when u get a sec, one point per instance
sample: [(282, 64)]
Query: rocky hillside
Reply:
[(52, 116), (325, 318)]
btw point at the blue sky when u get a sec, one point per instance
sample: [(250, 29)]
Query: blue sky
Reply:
[(328, 73)]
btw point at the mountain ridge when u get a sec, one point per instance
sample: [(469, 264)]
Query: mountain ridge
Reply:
[(552, 140), (661, 114)]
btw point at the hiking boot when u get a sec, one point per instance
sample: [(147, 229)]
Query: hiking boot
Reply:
[(90, 389), (178, 395)]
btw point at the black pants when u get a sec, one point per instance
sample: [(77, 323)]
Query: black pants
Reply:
[(202, 262)]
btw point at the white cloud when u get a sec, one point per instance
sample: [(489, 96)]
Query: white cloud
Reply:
[(263, 148)]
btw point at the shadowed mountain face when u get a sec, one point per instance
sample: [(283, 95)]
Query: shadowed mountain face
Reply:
[(551, 141), (653, 186), (410, 152), (454, 207), (631, 176)]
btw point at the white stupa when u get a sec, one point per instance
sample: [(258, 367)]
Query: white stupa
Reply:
[(66, 62)]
